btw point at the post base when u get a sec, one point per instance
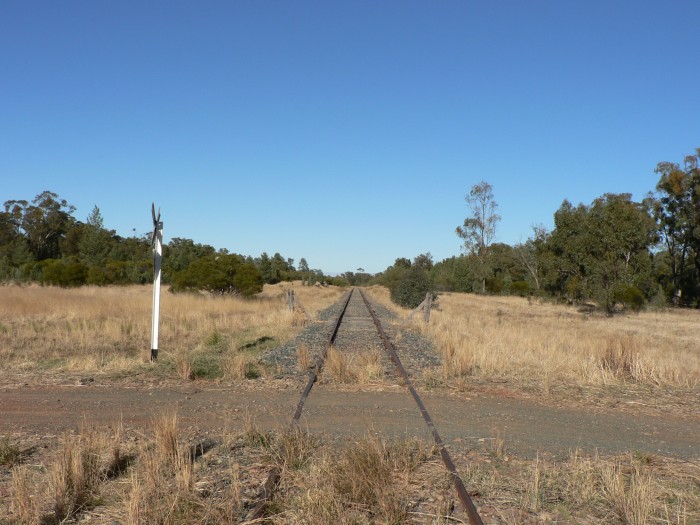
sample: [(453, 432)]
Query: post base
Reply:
[(154, 355)]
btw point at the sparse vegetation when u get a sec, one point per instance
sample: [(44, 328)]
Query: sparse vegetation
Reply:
[(523, 341), (107, 329), (364, 481), (9, 452)]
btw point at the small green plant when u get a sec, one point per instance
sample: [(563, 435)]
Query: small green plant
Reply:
[(206, 366), (214, 339), (9, 452)]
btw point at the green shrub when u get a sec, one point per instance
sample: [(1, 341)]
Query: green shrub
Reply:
[(521, 288), (66, 272), (220, 274), (412, 288), (630, 296)]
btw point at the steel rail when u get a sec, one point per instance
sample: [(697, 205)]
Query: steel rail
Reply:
[(273, 476), (313, 375), (462, 493)]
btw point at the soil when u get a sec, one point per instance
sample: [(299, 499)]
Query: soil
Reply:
[(526, 425)]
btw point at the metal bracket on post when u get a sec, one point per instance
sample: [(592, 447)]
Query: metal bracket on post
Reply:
[(157, 242)]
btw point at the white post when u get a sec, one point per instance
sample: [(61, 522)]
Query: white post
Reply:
[(157, 259)]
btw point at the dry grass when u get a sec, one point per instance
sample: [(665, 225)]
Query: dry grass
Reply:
[(303, 358), (93, 329), (548, 344), (337, 367), (367, 481), (352, 367)]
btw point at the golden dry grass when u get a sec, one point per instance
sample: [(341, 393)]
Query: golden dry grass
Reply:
[(109, 328), (360, 481), (530, 340)]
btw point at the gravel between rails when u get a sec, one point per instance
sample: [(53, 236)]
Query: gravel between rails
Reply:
[(357, 334)]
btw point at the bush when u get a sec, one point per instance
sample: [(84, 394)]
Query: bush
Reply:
[(220, 274), (67, 272), (521, 288), (630, 296), (411, 289)]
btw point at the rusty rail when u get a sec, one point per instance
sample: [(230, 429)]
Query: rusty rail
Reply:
[(273, 476), (313, 375), (461, 490)]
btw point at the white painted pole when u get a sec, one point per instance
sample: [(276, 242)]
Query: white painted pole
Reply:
[(157, 259)]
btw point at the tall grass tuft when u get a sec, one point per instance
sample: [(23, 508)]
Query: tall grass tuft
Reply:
[(77, 474)]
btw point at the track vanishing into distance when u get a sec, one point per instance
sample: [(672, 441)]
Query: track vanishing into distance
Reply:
[(358, 327)]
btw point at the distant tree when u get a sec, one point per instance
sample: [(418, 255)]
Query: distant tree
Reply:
[(264, 265), (94, 244), (676, 209), (179, 253), (279, 268), (303, 265), (529, 255), (479, 229), (402, 262), (394, 273), (424, 261), (14, 247), (44, 223), (602, 247), (455, 274)]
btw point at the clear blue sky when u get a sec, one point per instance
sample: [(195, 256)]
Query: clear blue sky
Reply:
[(347, 133)]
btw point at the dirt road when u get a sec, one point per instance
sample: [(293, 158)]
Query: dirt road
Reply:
[(526, 425)]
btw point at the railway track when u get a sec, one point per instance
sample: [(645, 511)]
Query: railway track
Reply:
[(357, 328)]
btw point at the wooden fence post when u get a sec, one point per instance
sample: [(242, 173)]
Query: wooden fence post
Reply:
[(427, 304)]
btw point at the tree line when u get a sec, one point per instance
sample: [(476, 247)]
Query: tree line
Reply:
[(613, 252), (42, 241)]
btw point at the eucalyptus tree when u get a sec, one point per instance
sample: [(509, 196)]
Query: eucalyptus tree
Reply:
[(479, 229), (676, 208), (603, 250)]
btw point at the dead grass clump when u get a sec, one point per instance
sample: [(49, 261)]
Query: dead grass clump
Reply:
[(237, 366), (368, 367), (299, 319), (366, 482), (622, 359), (165, 431), (303, 358), (337, 367), (366, 475), (629, 494), (183, 365), (24, 502), (76, 475), (291, 449), (162, 487)]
